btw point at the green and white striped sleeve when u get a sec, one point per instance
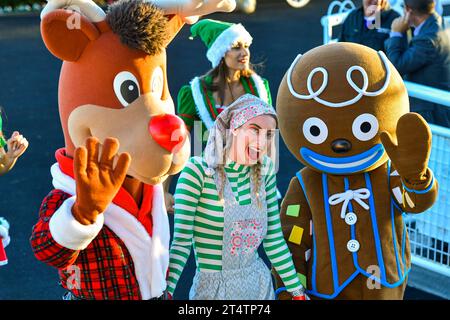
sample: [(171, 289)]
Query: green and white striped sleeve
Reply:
[(187, 194), (274, 244)]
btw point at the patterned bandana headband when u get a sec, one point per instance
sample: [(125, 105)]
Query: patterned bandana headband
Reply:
[(252, 107), (360, 91), (234, 116)]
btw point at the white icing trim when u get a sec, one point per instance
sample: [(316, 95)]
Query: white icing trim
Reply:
[(260, 87), (150, 255), (361, 91), (202, 109), (398, 195), (88, 8), (224, 42)]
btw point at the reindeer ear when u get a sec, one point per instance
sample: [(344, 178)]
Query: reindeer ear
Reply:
[(174, 25), (67, 33)]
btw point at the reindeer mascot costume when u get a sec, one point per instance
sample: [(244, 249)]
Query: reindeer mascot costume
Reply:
[(344, 113), (105, 226)]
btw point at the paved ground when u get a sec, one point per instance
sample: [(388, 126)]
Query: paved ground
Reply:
[(28, 92)]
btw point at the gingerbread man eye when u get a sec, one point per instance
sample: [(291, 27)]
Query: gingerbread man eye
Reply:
[(365, 127), (315, 130), (126, 88)]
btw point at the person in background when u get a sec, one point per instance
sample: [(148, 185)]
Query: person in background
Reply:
[(369, 25), (232, 75), (426, 58), (16, 146)]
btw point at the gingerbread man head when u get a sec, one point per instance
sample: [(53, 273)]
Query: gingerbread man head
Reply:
[(334, 102)]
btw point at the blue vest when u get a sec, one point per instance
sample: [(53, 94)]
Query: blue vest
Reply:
[(399, 254)]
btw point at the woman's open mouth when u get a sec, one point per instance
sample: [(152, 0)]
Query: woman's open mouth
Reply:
[(345, 165), (253, 153)]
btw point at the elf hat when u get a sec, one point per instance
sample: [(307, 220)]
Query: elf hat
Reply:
[(219, 37)]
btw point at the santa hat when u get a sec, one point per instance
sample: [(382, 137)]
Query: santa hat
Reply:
[(4, 240), (219, 37)]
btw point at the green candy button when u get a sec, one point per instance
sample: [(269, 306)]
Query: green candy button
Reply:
[(302, 279), (293, 210)]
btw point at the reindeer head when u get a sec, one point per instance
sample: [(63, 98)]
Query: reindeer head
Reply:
[(113, 82)]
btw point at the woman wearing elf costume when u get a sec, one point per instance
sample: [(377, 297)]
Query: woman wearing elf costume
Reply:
[(17, 145), (226, 206), (231, 76)]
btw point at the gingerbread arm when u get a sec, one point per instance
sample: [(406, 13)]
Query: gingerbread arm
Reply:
[(410, 155), (296, 225), (414, 197)]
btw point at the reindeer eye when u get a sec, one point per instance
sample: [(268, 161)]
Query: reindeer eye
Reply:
[(126, 88)]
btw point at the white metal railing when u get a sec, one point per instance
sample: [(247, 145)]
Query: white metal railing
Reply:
[(429, 232)]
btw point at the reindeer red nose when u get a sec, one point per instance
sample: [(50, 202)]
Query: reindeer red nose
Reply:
[(168, 130)]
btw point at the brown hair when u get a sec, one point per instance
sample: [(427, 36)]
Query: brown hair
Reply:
[(140, 25), (221, 72)]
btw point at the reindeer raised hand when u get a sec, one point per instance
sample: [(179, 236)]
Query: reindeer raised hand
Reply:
[(98, 180)]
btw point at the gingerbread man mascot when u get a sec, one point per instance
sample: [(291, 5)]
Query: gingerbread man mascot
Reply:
[(344, 113)]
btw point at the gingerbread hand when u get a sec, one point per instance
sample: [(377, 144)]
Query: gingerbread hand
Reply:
[(411, 153), (96, 178)]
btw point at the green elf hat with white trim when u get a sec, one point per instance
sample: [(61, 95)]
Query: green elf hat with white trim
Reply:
[(219, 37)]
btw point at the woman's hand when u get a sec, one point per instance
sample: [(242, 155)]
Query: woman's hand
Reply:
[(16, 145)]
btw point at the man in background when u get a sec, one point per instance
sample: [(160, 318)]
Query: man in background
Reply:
[(369, 25), (426, 58)]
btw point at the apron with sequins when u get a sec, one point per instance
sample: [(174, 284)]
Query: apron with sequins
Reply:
[(244, 275)]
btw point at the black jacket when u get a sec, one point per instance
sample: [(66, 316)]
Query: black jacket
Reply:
[(354, 29)]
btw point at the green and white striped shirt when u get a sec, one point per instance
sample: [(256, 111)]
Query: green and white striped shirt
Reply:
[(199, 221)]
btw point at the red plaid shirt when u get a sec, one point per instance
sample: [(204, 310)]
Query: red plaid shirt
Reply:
[(104, 270)]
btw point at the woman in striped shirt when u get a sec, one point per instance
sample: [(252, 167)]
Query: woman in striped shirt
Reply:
[(226, 206)]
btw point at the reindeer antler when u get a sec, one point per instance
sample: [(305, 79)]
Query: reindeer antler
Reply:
[(88, 8), (192, 8)]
